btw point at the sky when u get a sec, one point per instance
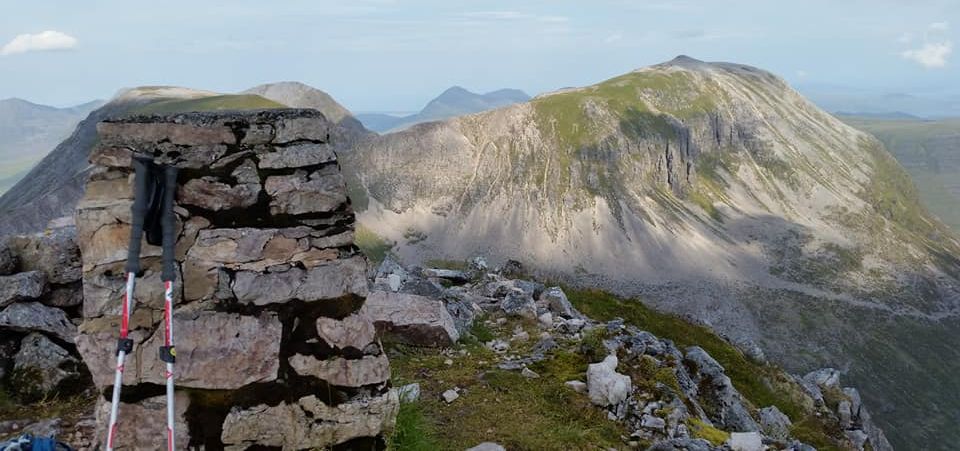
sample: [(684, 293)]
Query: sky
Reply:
[(394, 55)]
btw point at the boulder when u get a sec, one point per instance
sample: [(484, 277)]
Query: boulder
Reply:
[(855, 401), (41, 367), (354, 331), (577, 386), (774, 423), (24, 286), (55, 253), (141, 422), (825, 378), (746, 441), (34, 316), (303, 193), (717, 392), (857, 438), (517, 303), (411, 319), (653, 423), (309, 422), (463, 313), (8, 260), (558, 303), (341, 372), (844, 414), (452, 275), (605, 385), (422, 287)]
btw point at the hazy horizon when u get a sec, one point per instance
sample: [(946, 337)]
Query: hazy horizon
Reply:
[(392, 55)]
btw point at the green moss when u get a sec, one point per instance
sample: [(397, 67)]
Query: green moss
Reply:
[(371, 244), (699, 429), (212, 103), (761, 384)]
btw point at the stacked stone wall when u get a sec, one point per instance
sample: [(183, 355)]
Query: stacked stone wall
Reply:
[(273, 350)]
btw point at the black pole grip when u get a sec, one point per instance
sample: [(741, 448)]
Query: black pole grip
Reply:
[(169, 224), (141, 194)]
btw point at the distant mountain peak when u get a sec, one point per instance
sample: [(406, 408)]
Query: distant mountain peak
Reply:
[(683, 59), (453, 101)]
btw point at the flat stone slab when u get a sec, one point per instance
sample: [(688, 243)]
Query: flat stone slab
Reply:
[(411, 319)]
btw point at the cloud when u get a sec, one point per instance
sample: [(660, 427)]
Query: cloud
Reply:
[(613, 38), (936, 48), (932, 55), (43, 41)]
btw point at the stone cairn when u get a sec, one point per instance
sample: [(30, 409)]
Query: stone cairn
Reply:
[(273, 350)]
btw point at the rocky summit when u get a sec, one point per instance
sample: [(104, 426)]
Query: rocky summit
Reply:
[(712, 190)]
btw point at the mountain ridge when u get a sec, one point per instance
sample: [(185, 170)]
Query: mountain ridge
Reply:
[(712, 190), (29, 130)]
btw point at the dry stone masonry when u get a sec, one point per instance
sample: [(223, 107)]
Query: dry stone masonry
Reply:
[(274, 350)]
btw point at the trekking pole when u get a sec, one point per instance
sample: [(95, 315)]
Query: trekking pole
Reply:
[(168, 352), (124, 344)]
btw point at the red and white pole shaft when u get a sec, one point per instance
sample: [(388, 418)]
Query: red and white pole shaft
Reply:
[(168, 342), (124, 347), (168, 353)]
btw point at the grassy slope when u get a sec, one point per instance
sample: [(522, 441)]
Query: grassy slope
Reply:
[(553, 416), (213, 103), (919, 146), (12, 171)]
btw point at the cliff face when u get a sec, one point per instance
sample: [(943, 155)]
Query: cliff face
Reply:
[(711, 189)]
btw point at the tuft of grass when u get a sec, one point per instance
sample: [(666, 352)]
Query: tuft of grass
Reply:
[(812, 431), (591, 346), (372, 245), (699, 429), (761, 384), (412, 433), (480, 331)]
